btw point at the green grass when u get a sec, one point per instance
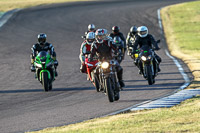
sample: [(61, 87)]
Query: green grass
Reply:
[(178, 119), (186, 24), (181, 24), (6, 5)]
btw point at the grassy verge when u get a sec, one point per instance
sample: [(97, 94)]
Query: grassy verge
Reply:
[(178, 119), (182, 29), (6, 5)]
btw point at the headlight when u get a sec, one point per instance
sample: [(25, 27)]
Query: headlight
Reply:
[(143, 58), (38, 65), (149, 57), (105, 65)]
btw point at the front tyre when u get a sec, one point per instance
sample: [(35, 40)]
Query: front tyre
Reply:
[(45, 82), (109, 90), (149, 75)]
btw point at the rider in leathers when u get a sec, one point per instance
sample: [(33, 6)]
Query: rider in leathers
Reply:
[(104, 48), (116, 32), (144, 38), (42, 45), (85, 50), (120, 48), (131, 39)]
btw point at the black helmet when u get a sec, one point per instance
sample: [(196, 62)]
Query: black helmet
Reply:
[(115, 29), (118, 41), (42, 38), (133, 30)]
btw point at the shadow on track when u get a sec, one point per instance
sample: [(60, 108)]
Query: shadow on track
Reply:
[(146, 80), (153, 87), (41, 90)]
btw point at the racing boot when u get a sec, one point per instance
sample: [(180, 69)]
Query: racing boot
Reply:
[(55, 65), (119, 75), (121, 83), (140, 72), (159, 69), (56, 73), (32, 68)]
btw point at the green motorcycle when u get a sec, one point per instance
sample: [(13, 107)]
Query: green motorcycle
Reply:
[(45, 70)]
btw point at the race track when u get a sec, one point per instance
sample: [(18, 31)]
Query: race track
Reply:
[(25, 106)]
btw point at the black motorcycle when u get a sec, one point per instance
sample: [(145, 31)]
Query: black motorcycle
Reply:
[(108, 79), (148, 64)]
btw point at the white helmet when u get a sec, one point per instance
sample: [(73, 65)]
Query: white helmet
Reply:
[(100, 35), (142, 31), (90, 38), (91, 27)]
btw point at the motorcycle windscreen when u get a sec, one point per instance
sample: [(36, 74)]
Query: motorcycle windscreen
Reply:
[(145, 50), (43, 55)]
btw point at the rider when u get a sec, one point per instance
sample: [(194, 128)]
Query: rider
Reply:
[(85, 49), (91, 28), (131, 38), (42, 45), (116, 32), (144, 38), (103, 47), (120, 48)]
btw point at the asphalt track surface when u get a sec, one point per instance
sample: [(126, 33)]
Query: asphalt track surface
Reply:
[(25, 106)]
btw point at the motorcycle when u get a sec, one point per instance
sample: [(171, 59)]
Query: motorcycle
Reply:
[(45, 73), (148, 64), (108, 82), (90, 66)]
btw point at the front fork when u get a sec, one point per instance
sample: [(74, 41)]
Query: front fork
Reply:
[(144, 71), (42, 71)]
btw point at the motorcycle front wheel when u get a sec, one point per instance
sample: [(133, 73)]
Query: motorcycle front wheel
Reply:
[(109, 90), (45, 82), (150, 78)]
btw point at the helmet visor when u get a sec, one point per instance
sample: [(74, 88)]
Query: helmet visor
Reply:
[(41, 40), (90, 40), (100, 37), (143, 32), (91, 29)]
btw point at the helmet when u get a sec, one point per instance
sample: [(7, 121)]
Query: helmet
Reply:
[(90, 38), (142, 31), (42, 38), (117, 41), (133, 30), (100, 35), (91, 27), (115, 29)]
